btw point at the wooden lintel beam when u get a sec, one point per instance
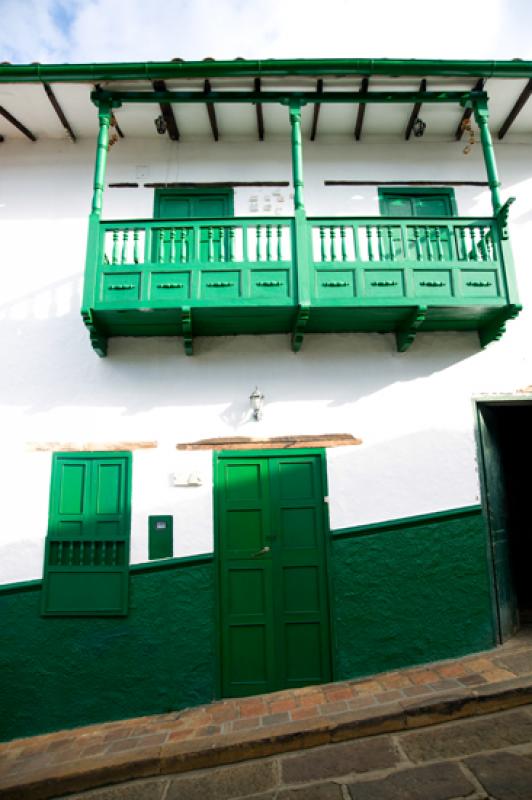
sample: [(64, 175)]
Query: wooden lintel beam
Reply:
[(317, 106), (167, 112), (260, 116), (58, 110), (415, 111), (361, 109), (17, 124), (521, 100), (478, 87), (211, 111)]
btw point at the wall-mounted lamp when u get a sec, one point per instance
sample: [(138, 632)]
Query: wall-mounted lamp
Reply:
[(256, 400), (419, 127), (160, 124)]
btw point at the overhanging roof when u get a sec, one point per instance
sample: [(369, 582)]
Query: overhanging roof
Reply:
[(48, 100)]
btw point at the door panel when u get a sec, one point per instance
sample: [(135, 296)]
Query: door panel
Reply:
[(496, 502), (274, 605)]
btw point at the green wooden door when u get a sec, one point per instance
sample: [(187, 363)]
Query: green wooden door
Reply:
[(87, 547), (201, 203), (274, 617)]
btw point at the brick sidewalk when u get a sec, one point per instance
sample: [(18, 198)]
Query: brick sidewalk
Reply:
[(237, 729)]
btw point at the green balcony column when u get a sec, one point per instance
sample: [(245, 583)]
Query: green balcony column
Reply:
[(104, 119), (297, 155), (482, 119)]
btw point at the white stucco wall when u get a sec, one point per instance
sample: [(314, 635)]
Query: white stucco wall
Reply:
[(413, 411)]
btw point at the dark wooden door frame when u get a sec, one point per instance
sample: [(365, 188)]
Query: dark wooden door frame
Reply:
[(496, 400), (274, 453)]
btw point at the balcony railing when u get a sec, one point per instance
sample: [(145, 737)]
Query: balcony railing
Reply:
[(249, 275)]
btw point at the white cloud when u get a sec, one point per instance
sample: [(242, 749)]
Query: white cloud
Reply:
[(138, 30)]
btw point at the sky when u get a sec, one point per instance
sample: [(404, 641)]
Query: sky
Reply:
[(78, 31)]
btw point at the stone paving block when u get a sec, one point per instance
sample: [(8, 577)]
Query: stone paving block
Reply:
[(319, 791), (505, 776), (518, 663), (468, 736), (224, 783), (339, 759), (137, 790), (432, 782)]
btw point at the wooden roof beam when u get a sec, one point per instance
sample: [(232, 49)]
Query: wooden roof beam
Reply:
[(211, 111), (415, 111), (59, 111), (167, 112), (260, 117), (478, 87), (521, 100), (17, 124), (317, 106), (361, 109)]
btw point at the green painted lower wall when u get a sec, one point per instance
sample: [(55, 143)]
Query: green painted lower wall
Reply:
[(62, 672), (410, 592), (404, 592)]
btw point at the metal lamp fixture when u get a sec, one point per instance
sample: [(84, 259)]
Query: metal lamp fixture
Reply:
[(256, 400), (419, 127), (160, 124)]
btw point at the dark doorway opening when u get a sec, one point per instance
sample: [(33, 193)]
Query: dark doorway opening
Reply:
[(506, 452)]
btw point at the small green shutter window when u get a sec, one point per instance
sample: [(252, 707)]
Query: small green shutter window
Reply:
[(414, 202), (86, 566)]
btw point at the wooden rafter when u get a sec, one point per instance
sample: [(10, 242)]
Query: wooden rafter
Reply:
[(17, 124), (521, 100), (478, 87), (317, 106), (167, 112), (260, 116), (361, 109), (58, 110), (211, 111), (415, 111)]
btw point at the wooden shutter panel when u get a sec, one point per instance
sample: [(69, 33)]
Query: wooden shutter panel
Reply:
[(86, 565)]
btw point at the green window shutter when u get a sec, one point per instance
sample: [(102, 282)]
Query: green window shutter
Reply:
[(86, 566)]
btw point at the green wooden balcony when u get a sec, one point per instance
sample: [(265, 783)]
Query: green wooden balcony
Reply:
[(209, 277)]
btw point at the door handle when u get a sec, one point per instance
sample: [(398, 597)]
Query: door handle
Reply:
[(262, 552)]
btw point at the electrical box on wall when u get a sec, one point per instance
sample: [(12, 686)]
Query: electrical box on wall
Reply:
[(160, 536)]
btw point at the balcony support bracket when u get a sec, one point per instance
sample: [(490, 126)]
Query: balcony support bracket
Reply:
[(502, 218), (186, 324), (300, 324), (494, 330), (97, 338), (407, 332)]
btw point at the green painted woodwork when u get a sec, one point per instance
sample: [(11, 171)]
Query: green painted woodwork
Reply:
[(274, 616), (417, 202), (102, 147), (225, 276), (87, 546), (297, 155), (160, 536), (152, 70), (410, 592), (201, 202), (115, 98), (480, 109), (59, 672)]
